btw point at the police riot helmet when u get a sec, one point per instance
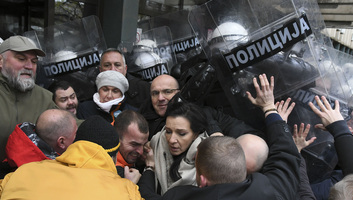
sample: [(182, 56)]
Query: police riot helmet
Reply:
[(228, 34), (145, 45), (64, 55), (148, 65)]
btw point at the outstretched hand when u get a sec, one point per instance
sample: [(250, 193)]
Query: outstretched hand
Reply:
[(326, 113), (300, 137), (284, 109), (264, 95)]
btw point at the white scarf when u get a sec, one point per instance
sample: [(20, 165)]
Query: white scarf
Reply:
[(164, 159), (107, 105)]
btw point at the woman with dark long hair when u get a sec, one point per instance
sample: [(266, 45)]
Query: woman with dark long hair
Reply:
[(175, 146)]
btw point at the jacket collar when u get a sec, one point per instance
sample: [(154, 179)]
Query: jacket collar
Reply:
[(120, 161)]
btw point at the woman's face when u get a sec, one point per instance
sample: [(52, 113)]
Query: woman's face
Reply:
[(179, 135), (108, 93)]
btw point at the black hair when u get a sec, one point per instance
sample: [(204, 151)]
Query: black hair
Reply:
[(198, 124), (58, 85)]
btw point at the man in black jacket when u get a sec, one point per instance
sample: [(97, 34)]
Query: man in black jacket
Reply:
[(165, 89), (221, 168)]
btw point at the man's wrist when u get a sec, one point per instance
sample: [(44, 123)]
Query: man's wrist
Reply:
[(270, 110), (268, 107)]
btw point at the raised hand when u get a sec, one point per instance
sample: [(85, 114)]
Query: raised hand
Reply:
[(326, 113), (284, 109), (299, 137), (264, 95)]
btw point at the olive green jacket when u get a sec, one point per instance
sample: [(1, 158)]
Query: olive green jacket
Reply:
[(18, 107)]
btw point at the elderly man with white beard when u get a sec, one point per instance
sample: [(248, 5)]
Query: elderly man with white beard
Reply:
[(21, 100)]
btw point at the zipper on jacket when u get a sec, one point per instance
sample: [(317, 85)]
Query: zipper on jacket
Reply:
[(16, 107)]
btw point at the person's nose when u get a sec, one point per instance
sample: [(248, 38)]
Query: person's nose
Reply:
[(29, 64), (139, 150), (161, 96), (173, 138), (115, 69), (70, 101), (110, 95)]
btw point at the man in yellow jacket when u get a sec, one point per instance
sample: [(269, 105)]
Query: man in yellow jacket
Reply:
[(85, 170)]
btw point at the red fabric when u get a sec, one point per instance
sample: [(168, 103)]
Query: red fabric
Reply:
[(21, 150)]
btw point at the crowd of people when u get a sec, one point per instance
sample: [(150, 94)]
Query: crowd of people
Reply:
[(141, 140)]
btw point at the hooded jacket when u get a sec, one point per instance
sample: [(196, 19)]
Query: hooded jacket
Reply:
[(18, 107), (83, 171)]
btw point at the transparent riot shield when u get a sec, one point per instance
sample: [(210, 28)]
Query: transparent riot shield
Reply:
[(185, 43), (284, 39), (72, 53), (196, 77), (151, 54), (338, 79), (243, 39), (333, 83)]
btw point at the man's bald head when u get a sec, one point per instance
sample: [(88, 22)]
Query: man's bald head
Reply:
[(163, 88), (57, 128), (255, 150)]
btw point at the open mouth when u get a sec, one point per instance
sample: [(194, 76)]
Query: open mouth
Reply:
[(26, 73), (71, 109)]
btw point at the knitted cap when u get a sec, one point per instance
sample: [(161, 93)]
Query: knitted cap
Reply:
[(98, 130), (112, 78), (20, 44)]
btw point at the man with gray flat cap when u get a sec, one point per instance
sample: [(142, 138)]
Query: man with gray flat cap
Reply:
[(21, 100)]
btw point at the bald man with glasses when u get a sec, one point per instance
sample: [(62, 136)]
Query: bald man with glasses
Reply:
[(164, 88)]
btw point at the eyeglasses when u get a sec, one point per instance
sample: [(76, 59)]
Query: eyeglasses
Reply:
[(165, 92)]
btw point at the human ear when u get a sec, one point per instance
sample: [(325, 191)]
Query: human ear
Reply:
[(203, 181), (61, 142)]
